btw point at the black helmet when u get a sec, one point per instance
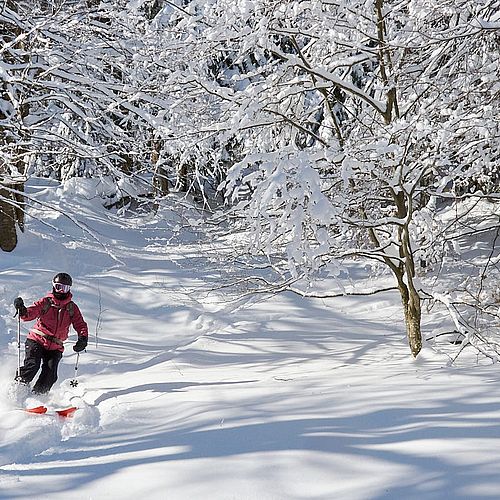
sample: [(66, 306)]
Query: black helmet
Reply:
[(63, 278)]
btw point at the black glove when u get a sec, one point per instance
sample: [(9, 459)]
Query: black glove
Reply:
[(20, 307), (81, 344)]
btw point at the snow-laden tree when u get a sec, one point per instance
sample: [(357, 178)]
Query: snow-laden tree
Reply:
[(12, 138), (75, 103), (349, 121), (339, 129)]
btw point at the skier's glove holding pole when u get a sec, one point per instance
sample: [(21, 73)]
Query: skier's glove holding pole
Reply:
[(20, 307), (81, 344)]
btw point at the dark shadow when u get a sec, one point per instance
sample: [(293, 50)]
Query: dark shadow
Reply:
[(369, 435)]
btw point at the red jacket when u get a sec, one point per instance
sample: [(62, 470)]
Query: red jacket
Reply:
[(52, 327)]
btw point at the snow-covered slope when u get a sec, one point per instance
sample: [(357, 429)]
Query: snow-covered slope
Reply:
[(185, 394)]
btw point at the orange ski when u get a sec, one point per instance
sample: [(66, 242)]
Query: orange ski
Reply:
[(43, 410), (37, 409), (67, 412)]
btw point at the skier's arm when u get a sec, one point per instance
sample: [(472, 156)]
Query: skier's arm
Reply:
[(32, 311), (82, 330), (79, 323)]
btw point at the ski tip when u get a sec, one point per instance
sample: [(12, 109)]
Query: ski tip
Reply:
[(67, 412), (37, 409)]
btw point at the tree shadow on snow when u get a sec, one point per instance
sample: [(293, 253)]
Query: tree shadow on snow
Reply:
[(388, 438)]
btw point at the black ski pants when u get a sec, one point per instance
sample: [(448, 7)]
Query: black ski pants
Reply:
[(37, 355)]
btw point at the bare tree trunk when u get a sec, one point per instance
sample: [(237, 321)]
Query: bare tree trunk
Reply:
[(8, 236), (160, 179), (413, 316), (409, 294), (404, 269), (182, 177), (385, 64), (412, 313), (12, 203)]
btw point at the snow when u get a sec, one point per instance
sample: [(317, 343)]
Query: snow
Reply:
[(185, 393)]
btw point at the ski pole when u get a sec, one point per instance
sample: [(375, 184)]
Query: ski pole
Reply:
[(18, 372), (74, 382)]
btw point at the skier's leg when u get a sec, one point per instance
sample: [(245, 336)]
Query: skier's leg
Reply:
[(32, 359), (48, 375)]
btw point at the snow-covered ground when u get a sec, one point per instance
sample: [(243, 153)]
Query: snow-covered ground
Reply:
[(187, 394)]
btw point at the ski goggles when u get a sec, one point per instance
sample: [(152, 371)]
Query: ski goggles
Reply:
[(61, 288)]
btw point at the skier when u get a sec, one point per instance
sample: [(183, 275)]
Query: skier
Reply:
[(44, 345)]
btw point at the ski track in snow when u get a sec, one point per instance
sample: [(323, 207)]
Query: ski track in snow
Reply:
[(186, 396)]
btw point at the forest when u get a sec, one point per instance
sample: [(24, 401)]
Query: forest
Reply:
[(317, 133)]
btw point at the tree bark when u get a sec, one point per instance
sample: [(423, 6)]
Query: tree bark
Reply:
[(8, 235), (160, 179), (405, 268), (413, 315)]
